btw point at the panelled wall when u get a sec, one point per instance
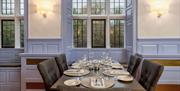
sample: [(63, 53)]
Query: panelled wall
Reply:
[(169, 47)]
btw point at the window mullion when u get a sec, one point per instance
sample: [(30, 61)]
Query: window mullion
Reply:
[(89, 33), (17, 8), (108, 33), (17, 33), (1, 8), (0, 33), (89, 24)]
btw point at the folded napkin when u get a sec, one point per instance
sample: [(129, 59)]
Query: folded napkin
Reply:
[(118, 72), (97, 82)]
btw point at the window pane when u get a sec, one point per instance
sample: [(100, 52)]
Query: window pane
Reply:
[(22, 33), (22, 7), (7, 7), (98, 7), (117, 6), (117, 33), (79, 6), (80, 33), (8, 34), (98, 34)]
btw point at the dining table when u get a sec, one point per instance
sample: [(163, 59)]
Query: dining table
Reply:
[(118, 85)]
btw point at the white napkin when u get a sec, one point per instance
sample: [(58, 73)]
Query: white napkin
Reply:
[(75, 71), (118, 72), (97, 82)]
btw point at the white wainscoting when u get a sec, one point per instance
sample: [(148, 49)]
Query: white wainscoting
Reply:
[(29, 72), (10, 54), (10, 78), (171, 75), (169, 47), (44, 46)]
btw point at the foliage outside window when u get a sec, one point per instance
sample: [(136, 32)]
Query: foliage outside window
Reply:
[(80, 32), (8, 34), (98, 34), (117, 33)]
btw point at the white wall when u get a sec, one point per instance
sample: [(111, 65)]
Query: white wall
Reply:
[(150, 26), (44, 27)]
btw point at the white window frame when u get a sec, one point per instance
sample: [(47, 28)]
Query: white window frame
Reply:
[(17, 17), (107, 17)]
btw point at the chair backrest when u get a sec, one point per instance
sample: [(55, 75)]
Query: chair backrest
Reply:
[(49, 72), (61, 62), (150, 75), (134, 63)]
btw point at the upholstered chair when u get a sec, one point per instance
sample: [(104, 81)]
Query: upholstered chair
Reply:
[(134, 63), (150, 75), (61, 62), (49, 72)]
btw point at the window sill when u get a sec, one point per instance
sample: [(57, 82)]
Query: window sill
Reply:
[(98, 48)]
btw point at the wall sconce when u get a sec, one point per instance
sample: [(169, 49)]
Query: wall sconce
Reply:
[(44, 7), (159, 7)]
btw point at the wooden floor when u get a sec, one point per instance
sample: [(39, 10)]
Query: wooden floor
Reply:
[(168, 87)]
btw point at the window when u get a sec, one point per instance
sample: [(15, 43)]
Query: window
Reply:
[(8, 34), (117, 33), (79, 6), (7, 7), (98, 34), (117, 6), (12, 24), (104, 27), (98, 6), (80, 32)]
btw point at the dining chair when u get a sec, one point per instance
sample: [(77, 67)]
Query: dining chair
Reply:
[(49, 72), (150, 75), (134, 63), (61, 62)]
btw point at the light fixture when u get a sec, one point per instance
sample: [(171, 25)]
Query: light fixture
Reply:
[(44, 7), (159, 7)]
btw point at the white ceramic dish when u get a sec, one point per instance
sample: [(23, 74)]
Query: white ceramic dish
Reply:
[(76, 72), (125, 78), (72, 82)]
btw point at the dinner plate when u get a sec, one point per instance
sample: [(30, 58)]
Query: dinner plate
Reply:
[(87, 83), (76, 72), (72, 82), (116, 66), (75, 66), (125, 78), (114, 72)]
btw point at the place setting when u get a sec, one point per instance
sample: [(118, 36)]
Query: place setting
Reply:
[(76, 72), (115, 72)]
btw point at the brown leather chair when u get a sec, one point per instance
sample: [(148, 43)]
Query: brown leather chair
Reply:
[(49, 72), (150, 75), (134, 63), (61, 62)]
